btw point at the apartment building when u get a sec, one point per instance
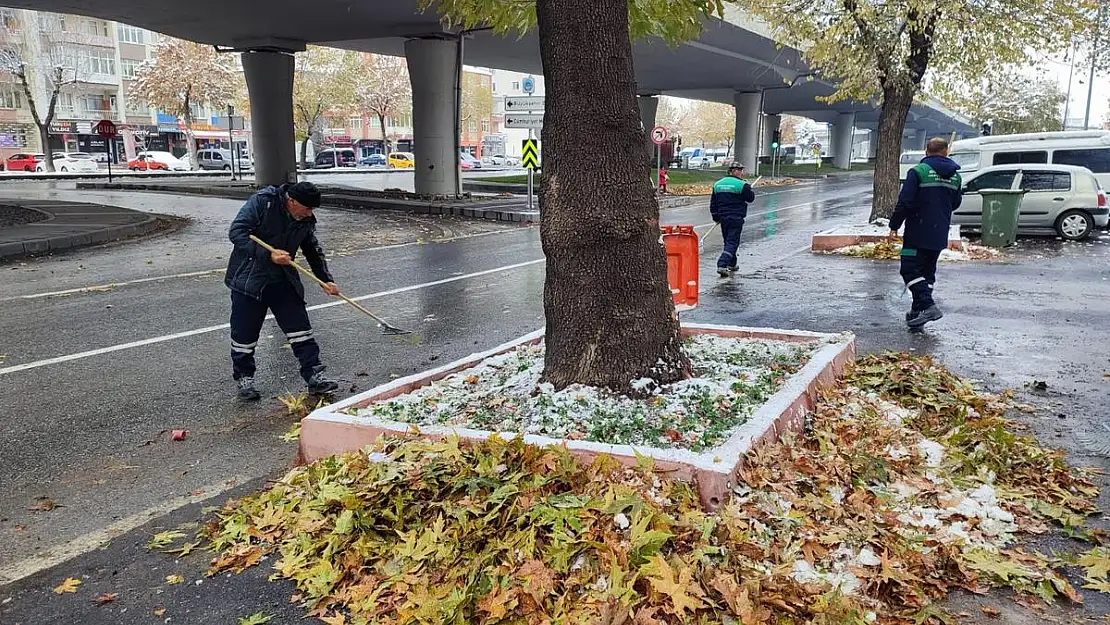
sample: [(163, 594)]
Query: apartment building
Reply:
[(100, 59)]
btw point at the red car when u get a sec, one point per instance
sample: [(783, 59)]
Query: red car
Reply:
[(23, 162)]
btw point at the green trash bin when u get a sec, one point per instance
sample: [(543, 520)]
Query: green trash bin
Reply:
[(1001, 208)]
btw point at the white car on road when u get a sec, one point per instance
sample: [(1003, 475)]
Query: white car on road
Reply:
[(72, 162)]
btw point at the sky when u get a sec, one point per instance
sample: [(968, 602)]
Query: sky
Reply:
[(1100, 101)]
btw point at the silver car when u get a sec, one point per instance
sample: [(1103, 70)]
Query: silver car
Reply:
[(212, 158), (1063, 199)]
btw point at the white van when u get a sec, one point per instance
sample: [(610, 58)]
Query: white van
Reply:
[(908, 161), (1082, 148)]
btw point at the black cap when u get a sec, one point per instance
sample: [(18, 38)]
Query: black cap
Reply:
[(306, 193)]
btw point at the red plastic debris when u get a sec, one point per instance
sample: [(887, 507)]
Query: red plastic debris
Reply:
[(179, 435)]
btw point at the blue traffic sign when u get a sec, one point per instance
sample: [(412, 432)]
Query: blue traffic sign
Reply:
[(529, 85)]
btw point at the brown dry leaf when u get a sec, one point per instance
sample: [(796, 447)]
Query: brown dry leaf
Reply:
[(105, 597), (159, 611), (337, 619), (990, 611), (44, 504), (539, 581), (471, 379), (646, 616), (68, 585)]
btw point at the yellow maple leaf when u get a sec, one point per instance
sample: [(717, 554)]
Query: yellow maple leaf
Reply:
[(1100, 585), (69, 584), (1096, 562), (338, 619), (159, 611), (663, 581), (174, 579)]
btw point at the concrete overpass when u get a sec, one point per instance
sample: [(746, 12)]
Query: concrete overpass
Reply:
[(734, 61)]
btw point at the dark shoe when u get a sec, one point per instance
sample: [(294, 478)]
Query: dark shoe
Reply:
[(723, 272), (247, 391), (320, 384), (733, 269), (910, 316), (931, 313)]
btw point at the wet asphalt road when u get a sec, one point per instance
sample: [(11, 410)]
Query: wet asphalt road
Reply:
[(1039, 313), (90, 431)]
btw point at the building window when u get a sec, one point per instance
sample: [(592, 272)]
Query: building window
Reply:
[(10, 98), (97, 61), (473, 126), (128, 67), (96, 28), (131, 34), (92, 104), (516, 86), (485, 125), (355, 123), (65, 102)]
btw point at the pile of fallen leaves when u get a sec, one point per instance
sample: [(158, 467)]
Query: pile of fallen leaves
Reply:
[(906, 484), (892, 250)]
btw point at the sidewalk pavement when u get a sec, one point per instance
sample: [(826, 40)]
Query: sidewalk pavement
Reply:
[(69, 224)]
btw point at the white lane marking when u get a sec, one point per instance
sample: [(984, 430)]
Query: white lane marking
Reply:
[(192, 274), (180, 335), (112, 285), (94, 540)]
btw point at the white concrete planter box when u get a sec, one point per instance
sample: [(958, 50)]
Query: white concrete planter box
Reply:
[(331, 430), (846, 236)]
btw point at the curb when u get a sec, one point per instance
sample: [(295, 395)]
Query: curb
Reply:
[(495, 211), (30, 247)]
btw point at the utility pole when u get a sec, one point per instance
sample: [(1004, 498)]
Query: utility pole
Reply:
[(1071, 76), (1094, 64)]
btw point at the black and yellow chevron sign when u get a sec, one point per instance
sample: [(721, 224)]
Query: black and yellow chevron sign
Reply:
[(530, 154)]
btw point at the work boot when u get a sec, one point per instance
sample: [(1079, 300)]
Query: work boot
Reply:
[(723, 272), (247, 390), (931, 313), (320, 383), (733, 269)]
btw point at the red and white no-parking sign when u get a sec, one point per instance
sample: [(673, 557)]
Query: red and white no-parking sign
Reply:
[(659, 135)]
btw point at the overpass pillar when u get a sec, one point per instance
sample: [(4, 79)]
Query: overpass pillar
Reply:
[(842, 135), (748, 110), (270, 89), (649, 105), (433, 72), (920, 136), (771, 125)]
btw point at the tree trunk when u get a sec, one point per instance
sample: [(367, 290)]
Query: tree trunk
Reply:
[(47, 150), (381, 122), (304, 153), (610, 316), (190, 140), (892, 122)]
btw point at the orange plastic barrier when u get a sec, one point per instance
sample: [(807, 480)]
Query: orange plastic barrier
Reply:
[(681, 243)]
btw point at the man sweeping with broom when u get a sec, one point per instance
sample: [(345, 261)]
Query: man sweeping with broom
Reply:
[(260, 279)]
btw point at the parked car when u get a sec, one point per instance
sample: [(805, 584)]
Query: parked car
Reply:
[(401, 160), (66, 162), (908, 161), (155, 161), (218, 158), (502, 160), (468, 161), (335, 157), (23, 162), (377, 161), (700, 162), (1063, 199)]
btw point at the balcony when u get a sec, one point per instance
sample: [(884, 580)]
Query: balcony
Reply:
[(64, 36), (69, 113)]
